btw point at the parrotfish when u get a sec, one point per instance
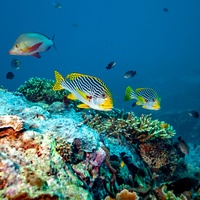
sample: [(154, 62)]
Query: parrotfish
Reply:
[(31, 44), (90, 90), (146, 97)]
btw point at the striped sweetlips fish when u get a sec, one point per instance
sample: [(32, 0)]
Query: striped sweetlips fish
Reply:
[(91, 91), (146, 97)]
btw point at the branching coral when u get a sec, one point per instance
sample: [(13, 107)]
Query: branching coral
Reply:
[(163, 194), (37, 89), (132, 127)]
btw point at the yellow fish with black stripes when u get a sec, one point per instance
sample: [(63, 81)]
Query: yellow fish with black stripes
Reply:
[(146, 97), (90, 90)]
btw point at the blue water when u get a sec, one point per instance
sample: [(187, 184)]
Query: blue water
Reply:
[(163, 47)]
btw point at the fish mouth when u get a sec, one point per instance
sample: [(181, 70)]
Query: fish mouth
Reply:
[(11, 52), (107, 105)]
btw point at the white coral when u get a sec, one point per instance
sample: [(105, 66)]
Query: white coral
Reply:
[(12, 121)]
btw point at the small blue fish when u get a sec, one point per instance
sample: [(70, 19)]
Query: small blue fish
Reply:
[(15, 63), (57, 5)]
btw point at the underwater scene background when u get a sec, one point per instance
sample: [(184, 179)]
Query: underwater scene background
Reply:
[(52, 149)]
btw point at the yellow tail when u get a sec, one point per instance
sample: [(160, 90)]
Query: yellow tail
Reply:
[(59, 79)]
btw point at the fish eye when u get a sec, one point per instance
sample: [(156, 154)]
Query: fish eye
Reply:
[(103, 96), (17, 45)]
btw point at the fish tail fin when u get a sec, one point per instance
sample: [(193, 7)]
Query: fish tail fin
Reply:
[(59, 81), (53, 41), (129, 94)]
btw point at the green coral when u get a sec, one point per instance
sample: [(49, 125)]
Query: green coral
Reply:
[(40, 89)]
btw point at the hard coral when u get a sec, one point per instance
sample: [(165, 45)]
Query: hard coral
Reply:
[(130, 126), (37, 89), (11, 121), (157, 153), (124, 195)]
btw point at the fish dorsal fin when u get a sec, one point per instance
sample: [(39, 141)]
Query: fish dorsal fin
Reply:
[(141, 100), (74, 76), (71, 96), (82, 105)]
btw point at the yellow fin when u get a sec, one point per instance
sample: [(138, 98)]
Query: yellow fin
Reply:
[(83, 106), (140, 100), (122, 164), (138, 103), (73, 76), (82, 94), (59, 79), (71, 96)]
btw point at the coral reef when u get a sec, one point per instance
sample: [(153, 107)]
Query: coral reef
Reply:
[(158, 153), (130, 126), (54, 152), (40, 89), (13, 121), (124, 195)]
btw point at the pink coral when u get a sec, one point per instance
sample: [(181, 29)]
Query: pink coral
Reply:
[(99, 158)]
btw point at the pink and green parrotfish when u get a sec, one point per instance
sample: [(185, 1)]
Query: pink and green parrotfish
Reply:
[(31, 44)]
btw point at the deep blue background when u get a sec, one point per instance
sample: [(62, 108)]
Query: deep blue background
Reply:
[(163, 47)]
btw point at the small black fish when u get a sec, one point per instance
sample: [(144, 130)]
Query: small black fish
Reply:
[(15, 63), (111, 65), (10, 75), (134, 104), (183, 146), (194, 114), (165, 9), (129, 74)]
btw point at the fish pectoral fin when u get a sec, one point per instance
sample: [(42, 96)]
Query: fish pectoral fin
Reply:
[(141, 100), (82, 94), (83, 106), (138, 103), (34, 47), (144, 107), (71, 96), (37, 55)]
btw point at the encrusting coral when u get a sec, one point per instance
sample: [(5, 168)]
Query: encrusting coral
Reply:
[(11, 121), (158, 153), (124, 195)]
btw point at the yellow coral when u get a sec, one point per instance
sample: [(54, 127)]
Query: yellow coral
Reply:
[(126, 195)]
